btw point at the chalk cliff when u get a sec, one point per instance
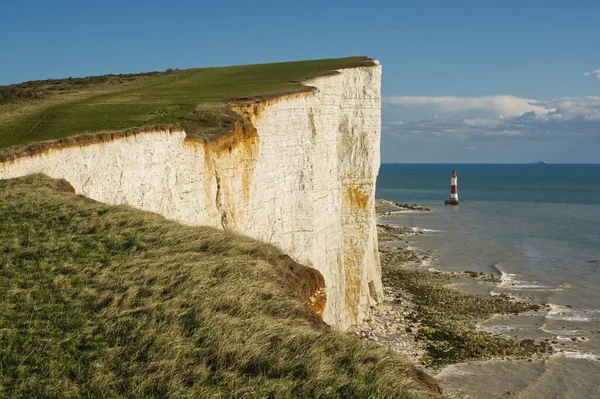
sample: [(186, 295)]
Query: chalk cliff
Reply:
[(299, 173)]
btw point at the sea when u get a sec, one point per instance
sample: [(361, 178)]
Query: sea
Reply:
[(537, 227)]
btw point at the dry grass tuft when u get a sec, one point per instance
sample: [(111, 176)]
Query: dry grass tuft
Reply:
[(105, 301)]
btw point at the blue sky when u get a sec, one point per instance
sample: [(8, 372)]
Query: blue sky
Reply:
[(464, 81)]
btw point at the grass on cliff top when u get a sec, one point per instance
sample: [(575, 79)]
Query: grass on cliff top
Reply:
[(193, 99), (101, 301)]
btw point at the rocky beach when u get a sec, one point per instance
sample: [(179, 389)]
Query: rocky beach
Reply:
[(435, 317)]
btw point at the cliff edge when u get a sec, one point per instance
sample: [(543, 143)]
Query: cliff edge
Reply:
[(298, 170)]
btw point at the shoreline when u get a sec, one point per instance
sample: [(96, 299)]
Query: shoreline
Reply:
[(431, 317), (491, 346)]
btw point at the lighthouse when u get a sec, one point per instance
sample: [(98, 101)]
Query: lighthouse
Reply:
[(453, 190)]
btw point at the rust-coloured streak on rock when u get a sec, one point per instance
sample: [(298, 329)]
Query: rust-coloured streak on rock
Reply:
[(307, 282), (357, 197), (352, 270), (318, 301), (230, 160), (246, 135), (254, 106)]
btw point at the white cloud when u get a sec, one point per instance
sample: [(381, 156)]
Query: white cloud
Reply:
[(504, 133), (564, 118), (595, 73), (483, 122), (497, 105)]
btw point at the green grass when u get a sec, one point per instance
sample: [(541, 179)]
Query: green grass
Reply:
[(192, 99), (101, 301)]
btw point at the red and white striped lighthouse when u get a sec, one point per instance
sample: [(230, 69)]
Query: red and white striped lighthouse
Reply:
[(453, 190)]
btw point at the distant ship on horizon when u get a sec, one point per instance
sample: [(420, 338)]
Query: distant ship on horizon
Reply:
[(538, 163)]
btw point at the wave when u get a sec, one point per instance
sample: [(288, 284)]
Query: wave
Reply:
[(577, 355), (565, 313), (506, 328), (421, 230), (433, 231), (559, 333), (510, 282)]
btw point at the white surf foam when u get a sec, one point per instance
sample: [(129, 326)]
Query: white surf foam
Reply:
[(509, 281), (416, 249), (560, 332), (565, 313), (577, 355), (564, 338), (421, 230)]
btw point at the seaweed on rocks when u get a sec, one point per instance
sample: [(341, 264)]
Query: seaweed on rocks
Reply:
[(386, 207), (443, 319)]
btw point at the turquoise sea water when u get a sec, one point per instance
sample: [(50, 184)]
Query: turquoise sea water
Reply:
[(536, 226), (568, 184)]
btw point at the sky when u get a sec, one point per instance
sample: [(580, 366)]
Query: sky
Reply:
[(463, 81)]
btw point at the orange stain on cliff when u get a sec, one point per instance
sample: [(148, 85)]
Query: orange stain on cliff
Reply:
[(318, 301), (253, 107), (307, 283), (352, 271), (356, 197), (230, 160)]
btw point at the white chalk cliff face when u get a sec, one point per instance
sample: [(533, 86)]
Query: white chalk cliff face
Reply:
[(303, 179)]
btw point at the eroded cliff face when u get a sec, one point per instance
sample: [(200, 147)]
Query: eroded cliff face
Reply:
[(300, 174)]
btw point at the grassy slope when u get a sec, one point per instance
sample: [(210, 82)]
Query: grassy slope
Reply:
[(108, 301), (192, 99)]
